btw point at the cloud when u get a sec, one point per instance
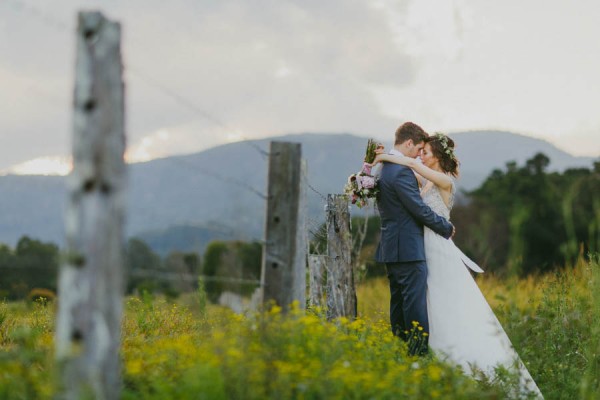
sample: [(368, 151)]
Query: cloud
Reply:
[(185, 138), (42, 166), (34, 120), (284, 67), (243, 69), (262, 68), (524, 67)]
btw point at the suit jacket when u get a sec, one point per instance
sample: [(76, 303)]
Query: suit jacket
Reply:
[(403, 215)]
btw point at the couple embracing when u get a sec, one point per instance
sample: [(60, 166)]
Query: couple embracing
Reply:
[(432, 291)]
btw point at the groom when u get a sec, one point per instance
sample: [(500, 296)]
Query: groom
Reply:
[(401, 247)]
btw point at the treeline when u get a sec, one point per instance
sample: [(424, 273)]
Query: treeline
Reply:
[(32, 264), (31, 268), (225, 267), (525, 220), (521, 220)]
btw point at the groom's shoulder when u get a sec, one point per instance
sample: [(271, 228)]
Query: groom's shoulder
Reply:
[(392, 172), (395, 168)]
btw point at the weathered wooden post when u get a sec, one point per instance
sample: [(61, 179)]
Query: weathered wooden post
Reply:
[(283, 274), (341, 294), (316, 267), (301, 260), (91, 277)]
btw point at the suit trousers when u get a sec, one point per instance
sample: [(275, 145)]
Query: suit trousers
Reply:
[(408, 302)]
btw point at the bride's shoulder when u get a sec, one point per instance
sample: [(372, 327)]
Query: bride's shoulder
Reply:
[(452, 182), (444, 182)]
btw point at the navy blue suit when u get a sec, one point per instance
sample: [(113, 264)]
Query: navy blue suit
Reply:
[(401, 247)]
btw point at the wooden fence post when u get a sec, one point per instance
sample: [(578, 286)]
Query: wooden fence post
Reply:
[(316, 267), (341, 294), (301, 260), (283, 273), (91, 277)]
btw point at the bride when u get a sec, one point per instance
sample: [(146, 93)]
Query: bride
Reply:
[(463, 327)]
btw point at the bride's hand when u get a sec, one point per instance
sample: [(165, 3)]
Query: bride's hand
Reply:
[(406, 161), (378, 158)]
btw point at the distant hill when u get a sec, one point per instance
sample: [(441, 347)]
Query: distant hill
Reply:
[(183, 202), (481, 151)]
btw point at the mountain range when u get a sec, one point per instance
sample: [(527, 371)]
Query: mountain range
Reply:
[(183, 202)]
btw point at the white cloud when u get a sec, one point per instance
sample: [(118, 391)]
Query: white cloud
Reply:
[(525, 67), (57, 165), (248, 70), (185, 138)]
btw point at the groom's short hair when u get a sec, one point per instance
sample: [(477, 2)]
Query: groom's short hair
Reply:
[(410, 130)]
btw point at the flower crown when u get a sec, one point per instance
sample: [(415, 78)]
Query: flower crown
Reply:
[(443, 139)]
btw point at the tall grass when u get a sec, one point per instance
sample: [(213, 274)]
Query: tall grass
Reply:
[(552, 320), (590, 387), (177, 351)]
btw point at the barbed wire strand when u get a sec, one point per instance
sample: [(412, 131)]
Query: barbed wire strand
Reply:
[(205, 171), (182, 100), (187, 103), (191, 277), (158, 274), (311, 187)]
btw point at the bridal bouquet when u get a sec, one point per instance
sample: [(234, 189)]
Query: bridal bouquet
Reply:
[(362, 186)]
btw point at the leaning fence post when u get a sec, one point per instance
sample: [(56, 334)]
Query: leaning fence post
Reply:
[(316, 267), (91, 277), (341, 294), (300, 261), (284, 255)]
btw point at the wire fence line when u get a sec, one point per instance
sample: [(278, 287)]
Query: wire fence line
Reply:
[(190, 105), (190, 277), (179, 98), (156, 274), (211, 226), (311, 187), (312, 226), (316, 228), (207, 172), (42, 15), (183, 101)]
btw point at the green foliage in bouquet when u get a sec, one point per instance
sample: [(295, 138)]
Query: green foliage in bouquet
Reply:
[(370, 152), (362, 186)]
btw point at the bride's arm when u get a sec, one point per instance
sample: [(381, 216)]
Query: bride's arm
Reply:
[(439, 179)]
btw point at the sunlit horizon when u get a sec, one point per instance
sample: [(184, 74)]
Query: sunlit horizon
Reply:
[(47, 166), (156, 146)]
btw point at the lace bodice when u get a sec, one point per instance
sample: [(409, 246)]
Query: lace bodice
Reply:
[(433, 198)]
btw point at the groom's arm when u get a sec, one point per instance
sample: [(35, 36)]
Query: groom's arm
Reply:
[(409, 195)]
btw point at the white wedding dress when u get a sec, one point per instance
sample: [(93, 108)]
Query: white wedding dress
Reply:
[(463, 327)]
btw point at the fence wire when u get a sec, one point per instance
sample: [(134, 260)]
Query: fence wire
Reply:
[(312, 226)]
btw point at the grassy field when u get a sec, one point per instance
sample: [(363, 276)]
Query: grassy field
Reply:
[(553, 321), (184, 350)]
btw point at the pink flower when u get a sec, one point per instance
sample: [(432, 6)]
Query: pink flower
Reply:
[(368, 182), (366, 169)]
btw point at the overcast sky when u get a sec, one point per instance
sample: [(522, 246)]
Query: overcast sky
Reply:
[(252, 69)]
